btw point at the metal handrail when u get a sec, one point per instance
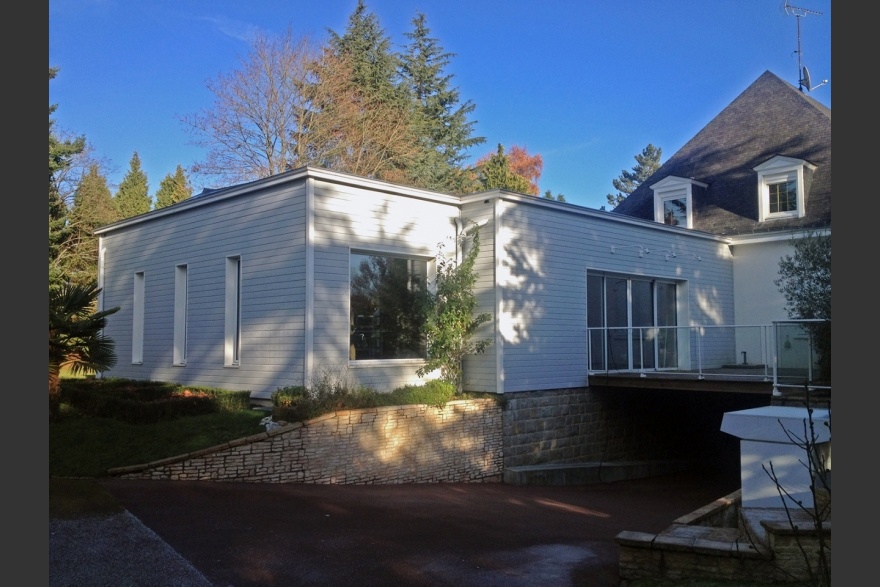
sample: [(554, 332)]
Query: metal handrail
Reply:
[(710, 347)]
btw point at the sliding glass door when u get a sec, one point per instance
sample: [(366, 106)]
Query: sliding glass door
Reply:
[(631, 323)]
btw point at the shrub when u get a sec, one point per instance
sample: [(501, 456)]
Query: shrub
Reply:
[(433, 393)]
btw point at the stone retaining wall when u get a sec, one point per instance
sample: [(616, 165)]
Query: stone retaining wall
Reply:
[(717, 543), (460, 442)]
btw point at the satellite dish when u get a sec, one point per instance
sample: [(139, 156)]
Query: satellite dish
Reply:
[(806, 79)]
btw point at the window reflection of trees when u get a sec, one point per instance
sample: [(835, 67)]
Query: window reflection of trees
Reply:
[(387, 307)]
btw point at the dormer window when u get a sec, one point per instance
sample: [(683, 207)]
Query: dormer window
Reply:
[(781, 190), (673, 201)]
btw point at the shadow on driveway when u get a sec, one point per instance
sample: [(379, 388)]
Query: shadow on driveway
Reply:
[(250, 534)]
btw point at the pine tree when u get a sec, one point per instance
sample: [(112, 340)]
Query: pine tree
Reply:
[(133, 196), (364, 103), (647, 162), (173, 189), (92, 207), (60, 154), (443, 125), (368, 49)]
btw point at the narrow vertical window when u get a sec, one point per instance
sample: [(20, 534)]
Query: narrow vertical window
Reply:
[(232, 345), (180, 303), (137, 326)]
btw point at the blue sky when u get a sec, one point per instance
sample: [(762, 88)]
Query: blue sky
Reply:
[(587, 84)]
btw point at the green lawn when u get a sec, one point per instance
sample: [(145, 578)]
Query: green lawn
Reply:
[(88, 446)]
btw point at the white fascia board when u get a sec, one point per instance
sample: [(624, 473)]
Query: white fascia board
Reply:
[(278, 180), (776, 236)]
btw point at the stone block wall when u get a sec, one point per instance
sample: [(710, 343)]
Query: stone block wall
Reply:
[(461, 442), (584, 425)]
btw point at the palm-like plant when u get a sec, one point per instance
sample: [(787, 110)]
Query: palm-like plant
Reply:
[(76, 340)]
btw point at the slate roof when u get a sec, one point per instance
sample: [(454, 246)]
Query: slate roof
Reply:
[(771, 117)]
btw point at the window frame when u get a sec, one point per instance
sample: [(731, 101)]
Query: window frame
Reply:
[(429, 264), (137, 318), (675, 188), (776, 170), (232, 313), (181, 295)]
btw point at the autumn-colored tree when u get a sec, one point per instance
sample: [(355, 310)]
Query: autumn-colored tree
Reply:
[(494, 171), (173, 189), (527, 166), (356, 131)]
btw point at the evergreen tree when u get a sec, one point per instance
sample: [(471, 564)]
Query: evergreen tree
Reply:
[(494, 171), (647, 162), (442, 118), (92, 207), (173, 189), (362, 93), (373, 62), (60, 154), (548, 195), (133, 196)]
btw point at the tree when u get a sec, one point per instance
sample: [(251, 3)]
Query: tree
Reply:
[(805, 282), (61, 152), (173, 189), (374, 66), (494, 171), (92, 207), (356, 131), (365, 103), (133, 196), (76, 339), (647, 162), (442, 118), (258, 121), (527, 166), (548, 195), (451, 322)]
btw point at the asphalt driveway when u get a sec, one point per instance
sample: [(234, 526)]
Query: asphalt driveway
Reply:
[(248, 534)]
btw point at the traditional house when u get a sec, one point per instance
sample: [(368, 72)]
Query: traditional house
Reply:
[(758, 175)]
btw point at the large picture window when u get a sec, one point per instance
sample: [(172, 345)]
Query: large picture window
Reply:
[(387, 307)]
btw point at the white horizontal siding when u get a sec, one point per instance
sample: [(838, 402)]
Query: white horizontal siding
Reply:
[(346, 218), (266, 229), (544, 255)]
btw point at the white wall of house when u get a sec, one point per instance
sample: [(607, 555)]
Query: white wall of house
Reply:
[(294, 238), (543, 251), (266, 230), (294, 235), (346, 218)]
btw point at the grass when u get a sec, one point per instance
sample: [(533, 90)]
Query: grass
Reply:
[(97, 429), (105, 424), (81, 445)]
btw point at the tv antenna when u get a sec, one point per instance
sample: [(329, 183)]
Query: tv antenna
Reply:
[(804, 81)]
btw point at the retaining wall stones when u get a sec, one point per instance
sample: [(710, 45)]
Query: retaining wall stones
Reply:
[(460, 442)]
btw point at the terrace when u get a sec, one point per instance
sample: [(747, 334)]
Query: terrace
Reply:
[(785, 357)]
